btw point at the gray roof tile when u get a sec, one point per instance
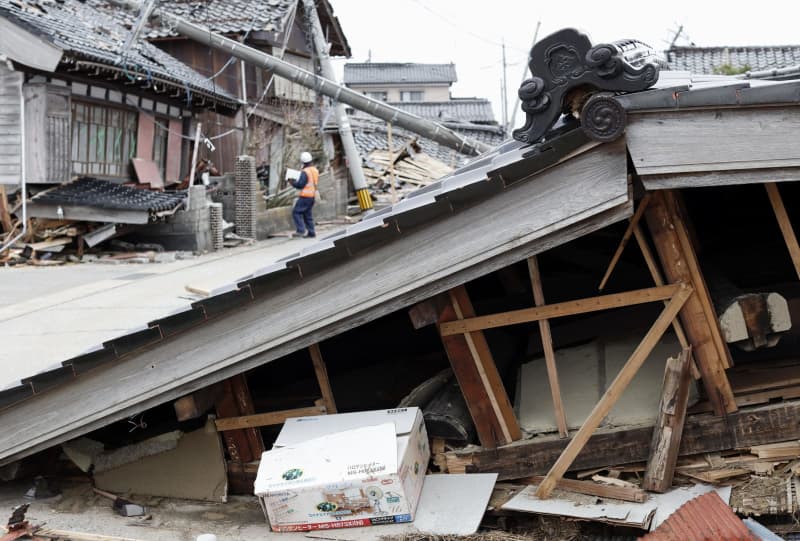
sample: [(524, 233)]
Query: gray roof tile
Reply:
[(475, 110), (394, 73), (89, 34), (754, 58)]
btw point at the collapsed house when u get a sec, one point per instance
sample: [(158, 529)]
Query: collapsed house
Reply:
[(492, 275)]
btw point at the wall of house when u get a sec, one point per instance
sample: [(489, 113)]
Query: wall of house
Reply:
[(10, 125), (429, 92)]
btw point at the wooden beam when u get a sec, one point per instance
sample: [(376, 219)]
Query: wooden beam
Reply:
[(265, 419), (322, 378), (632, 225), (669, 425), (614, 391), (243, 445), (199, 402), (698, 317), (5, 215), (783, 222), (476, 372), (428, 311), (703, 433), (627, 494), (550, 311), (547, 346), (658, 280)]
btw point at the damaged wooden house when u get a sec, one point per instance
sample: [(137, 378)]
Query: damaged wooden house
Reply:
[(612, 293)]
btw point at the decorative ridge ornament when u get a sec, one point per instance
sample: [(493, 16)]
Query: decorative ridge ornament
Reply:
[(569, 75)]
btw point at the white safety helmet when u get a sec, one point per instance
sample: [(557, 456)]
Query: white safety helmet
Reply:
[(305, 157)]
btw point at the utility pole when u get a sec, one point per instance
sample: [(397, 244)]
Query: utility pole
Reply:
[(524, 75), (504, 87), (352, 157)]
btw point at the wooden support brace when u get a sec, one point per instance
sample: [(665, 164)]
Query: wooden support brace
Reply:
[(614, 391), (547, 346), (476, 372), (671, 237), (5, 215), (632, 225), (322, 378), (669, 425), (243, 445), (550, 311), (786, 226), (265, 419)]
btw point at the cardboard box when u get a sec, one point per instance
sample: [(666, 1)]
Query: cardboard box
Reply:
[(344, 471)]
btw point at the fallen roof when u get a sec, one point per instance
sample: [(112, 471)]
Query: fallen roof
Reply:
[(397, 73), (92, 40), (122, 204), (704, 517), (749, 58), (441, 236)]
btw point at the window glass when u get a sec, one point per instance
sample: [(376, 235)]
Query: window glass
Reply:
[(103, 139)]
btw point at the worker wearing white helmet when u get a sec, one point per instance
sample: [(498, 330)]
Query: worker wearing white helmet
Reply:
[(307, 184)]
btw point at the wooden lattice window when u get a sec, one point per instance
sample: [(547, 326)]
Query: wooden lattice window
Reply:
[(103, 139)]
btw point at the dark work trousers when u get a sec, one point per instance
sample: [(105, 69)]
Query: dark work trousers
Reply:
[(303, 220)]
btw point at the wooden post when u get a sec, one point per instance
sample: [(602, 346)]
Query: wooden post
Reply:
[(784, 223), (669, 425), (614, 391), (193, 167), (391, 162), (659, 281), (547, 346), (478, 378), (5, 215), (243, 445), (632, 225), (322, 378), (699, 318)]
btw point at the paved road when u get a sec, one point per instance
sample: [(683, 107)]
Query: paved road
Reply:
[(50, 314)]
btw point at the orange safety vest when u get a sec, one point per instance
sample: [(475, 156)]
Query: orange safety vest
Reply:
[(312, 178)]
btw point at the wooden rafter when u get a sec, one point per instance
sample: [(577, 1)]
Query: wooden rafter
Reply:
[(786, 226), (614, 391), (632, 225), (321, 372)]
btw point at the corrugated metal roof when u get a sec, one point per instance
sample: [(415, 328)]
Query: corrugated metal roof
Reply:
[(398, 73), (86, 33), (752, 58), (705, 518)]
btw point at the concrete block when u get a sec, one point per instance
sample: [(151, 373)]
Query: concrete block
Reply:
[(275, 220)]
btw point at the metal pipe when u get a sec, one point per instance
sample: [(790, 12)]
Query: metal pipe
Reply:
[(352, 157), (23, 186), (335, 91)]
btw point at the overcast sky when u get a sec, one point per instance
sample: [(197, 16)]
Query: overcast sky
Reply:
[(469, 33)]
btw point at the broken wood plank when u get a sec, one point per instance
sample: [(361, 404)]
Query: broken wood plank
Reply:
[(669, 425), (243, 445), (669, 232), (614, 391), (547, 345), (785, 449), (624, 493), (265, 419), (198, 403), (322, 378), (478, 378), (49, 533), (197, 290), (567, 308), (632, 225)]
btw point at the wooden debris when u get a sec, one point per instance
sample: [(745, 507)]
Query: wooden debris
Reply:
[(628, 493), (787, 449), (669, 425)]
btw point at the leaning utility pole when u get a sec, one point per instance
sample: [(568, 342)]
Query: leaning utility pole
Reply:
[(352, 158), (322, 85)]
